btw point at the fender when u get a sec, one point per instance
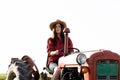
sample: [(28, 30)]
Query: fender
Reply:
[(31, 65)]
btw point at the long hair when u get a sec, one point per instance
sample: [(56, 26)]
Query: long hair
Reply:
[(54, 35)]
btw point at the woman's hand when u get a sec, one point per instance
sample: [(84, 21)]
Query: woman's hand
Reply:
[(54, 53)]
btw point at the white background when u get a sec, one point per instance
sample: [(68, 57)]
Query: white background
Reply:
[(24, 26)]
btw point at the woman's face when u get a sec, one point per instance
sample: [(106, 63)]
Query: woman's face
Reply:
[(58, 28)]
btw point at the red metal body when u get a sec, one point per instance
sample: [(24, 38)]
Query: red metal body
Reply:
[(30, 62), (66, 31), (97, 56)]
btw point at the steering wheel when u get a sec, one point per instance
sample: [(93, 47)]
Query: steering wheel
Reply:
[(62, 50)]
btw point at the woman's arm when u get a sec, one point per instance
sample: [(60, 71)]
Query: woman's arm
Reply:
[(51, 48)]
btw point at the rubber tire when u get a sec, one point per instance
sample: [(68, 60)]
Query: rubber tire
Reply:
[(18, 71)]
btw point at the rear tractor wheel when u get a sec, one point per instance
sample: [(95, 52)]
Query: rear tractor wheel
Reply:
[(23, 69)]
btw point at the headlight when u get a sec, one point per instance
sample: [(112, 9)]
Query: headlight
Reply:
[(81, 58)]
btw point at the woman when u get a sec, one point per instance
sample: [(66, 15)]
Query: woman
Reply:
[(56, 42)]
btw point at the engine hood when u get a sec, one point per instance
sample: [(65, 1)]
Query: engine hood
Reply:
[(71, 59), (68, 60)]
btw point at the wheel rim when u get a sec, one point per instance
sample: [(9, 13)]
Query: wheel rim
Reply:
[(12, 76)]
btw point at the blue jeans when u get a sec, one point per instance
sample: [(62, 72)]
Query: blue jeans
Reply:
[(52, 66)]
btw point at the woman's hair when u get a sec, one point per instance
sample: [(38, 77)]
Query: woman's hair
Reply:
[(54, 35)]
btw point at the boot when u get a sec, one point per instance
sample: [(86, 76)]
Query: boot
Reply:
[(56, 74)]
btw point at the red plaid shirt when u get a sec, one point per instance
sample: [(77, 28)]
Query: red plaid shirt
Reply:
[(58, 46)]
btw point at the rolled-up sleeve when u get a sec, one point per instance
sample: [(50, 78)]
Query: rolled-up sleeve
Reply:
[(50, 46)]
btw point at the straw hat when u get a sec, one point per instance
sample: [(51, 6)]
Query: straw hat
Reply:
[(57, 22)]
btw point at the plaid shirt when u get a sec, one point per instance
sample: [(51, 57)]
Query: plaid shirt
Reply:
[(58, 46)]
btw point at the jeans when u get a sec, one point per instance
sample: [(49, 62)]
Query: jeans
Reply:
[(52, 66)]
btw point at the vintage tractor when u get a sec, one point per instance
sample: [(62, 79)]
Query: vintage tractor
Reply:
[(87, 65)]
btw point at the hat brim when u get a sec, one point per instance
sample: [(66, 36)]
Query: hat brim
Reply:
[(57, 22)]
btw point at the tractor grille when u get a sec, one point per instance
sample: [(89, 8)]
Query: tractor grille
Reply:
[(69, 73), (107, 78), (107, 70)]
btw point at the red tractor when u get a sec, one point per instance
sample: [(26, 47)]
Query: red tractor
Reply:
[(88, 65)]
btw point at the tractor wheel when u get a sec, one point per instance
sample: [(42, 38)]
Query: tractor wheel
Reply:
[(18, 71)]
